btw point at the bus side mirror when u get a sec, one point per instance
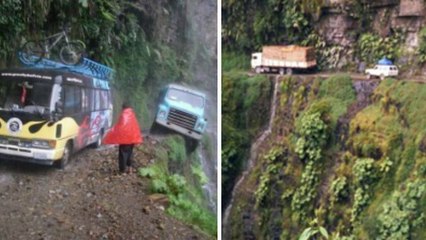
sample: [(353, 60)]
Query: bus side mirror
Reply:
[(59, 107)]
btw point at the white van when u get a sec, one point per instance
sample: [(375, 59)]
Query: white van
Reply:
[(382, 71)]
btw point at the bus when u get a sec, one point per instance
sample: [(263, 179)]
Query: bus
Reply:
[(48, 114)]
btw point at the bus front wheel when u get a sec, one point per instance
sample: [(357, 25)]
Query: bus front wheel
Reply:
[(66, 157)]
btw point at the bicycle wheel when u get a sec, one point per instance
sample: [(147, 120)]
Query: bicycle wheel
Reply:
[(72, 53), (33, 51)]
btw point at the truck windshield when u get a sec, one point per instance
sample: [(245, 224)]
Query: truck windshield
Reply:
[(187, 97), (24, 95)]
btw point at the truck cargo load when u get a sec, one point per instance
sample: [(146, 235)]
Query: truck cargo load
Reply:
[(283, 59)]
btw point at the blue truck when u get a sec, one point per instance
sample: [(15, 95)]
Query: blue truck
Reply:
[(182, 110)]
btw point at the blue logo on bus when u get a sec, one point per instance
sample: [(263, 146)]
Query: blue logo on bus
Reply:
[(99, 83)]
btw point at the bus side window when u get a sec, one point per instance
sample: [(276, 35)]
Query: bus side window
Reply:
[(109, 100), (97, 100), (85, 100), (104, 99), (69, 99), (77, 104), (92, 99), (72, 99)]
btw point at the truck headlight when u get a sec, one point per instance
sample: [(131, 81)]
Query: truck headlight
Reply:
[(200, 126), (46, 144), (162, 114)]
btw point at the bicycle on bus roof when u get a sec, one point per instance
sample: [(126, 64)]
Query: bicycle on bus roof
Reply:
[(70, 51)]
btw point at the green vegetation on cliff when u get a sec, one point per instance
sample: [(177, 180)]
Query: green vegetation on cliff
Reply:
[(355, 167), (244, 100), (344, 33), (178, 176)]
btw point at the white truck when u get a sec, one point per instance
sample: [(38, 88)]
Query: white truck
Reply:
[(283, 59), (382, 71)]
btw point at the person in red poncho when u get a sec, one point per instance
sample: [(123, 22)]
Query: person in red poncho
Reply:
[(126, 133)]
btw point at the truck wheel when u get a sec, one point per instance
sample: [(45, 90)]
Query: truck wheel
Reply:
[(281, 71), (289, 71), (157, 129), (258, 70), (382, 77), (191, 144)]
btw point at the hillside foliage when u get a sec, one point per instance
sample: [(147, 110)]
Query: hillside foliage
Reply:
[(366, 182), (120, 34), (244, 99)]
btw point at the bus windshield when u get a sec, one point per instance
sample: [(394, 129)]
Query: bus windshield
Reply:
[(24, 95), (187, 97)]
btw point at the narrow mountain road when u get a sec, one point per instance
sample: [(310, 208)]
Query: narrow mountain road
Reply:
[(354, 76), (87, 200)]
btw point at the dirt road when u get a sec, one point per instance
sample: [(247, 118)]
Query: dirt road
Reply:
[(354, 76), (87, 200)]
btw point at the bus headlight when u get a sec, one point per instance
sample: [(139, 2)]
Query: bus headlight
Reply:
[(26, 144), (46, 144), (3, 140)]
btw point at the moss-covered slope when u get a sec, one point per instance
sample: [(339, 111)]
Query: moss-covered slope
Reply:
[(245, 101), (345, 156)]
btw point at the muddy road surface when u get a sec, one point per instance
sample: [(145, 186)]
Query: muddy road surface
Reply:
[(87, 200)]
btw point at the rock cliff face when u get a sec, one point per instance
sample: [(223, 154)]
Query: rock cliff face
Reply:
[(341, 21)]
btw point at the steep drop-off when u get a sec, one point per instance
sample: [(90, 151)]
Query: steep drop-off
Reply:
[(347, 156), (244, 99)]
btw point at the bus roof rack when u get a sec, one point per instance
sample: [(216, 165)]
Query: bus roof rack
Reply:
[(86, 67)]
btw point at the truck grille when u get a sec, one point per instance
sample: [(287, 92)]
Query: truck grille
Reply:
[(182, 119)]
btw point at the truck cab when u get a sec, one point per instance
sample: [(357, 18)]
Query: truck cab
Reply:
[(182, 110), (256, 61)]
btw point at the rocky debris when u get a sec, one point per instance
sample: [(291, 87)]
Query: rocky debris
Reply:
[(89, 200), (159, 200), (409, 8)]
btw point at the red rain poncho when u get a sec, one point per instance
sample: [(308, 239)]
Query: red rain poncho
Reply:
[(125, 131)]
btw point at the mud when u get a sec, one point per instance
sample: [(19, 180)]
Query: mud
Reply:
[(87, 200)]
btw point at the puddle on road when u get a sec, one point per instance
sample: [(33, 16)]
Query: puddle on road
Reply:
[(6, 179)]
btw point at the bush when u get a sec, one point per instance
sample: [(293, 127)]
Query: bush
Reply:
[(313, 135), (176, 148), (339, 189), (272, 168), (371, 47), (422, 45), (401, 214), (365, 175), (365, 172)]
